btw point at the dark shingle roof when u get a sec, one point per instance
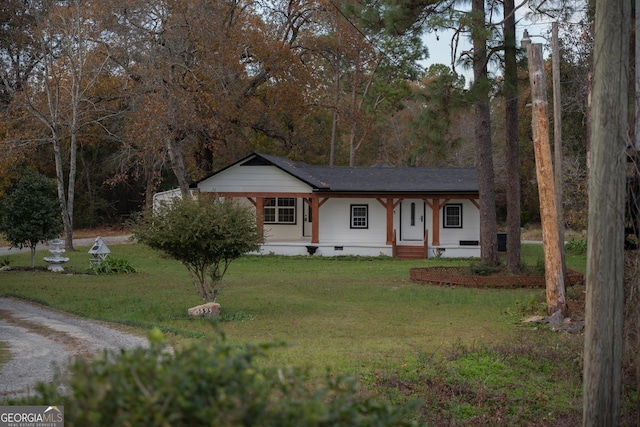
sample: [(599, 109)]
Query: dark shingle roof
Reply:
[(375, 179), (380, 178), (398, 179)]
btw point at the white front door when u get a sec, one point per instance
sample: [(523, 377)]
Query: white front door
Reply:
[(412, 220), (306, 219)]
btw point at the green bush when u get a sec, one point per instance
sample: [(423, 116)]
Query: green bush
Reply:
[(30, 213), (112, 265), (204, 233), (482, 269), (215, 383), (577, 247)]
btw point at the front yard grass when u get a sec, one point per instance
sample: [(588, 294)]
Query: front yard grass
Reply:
[(364, 316)]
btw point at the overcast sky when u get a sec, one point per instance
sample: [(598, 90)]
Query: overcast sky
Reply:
[(440, 47)]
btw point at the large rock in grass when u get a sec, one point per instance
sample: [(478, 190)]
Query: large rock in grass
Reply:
[(209, 309)]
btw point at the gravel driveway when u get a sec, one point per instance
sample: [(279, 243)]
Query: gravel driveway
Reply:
[(39, 338)]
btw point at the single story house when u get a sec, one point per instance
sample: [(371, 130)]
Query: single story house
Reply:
[(380, 210)]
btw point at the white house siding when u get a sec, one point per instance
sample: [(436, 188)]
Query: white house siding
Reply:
[(282, 232), (240, 178), (335, 222), (470, 225), (262, 179)]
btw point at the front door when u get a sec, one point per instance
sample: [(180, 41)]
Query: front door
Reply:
[(412, 220), (307, 218)]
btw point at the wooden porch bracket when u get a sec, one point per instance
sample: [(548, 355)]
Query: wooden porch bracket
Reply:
[(390, 205)]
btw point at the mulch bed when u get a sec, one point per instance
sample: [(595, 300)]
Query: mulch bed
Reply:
[(462, 277)]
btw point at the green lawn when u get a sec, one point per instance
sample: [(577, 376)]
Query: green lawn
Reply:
[(343, 313), (350, 315)]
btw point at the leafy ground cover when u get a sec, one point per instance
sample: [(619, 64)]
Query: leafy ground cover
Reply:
[(463, 353)]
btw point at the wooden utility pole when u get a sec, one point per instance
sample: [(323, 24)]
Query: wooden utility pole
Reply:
[(607, 190), (557, 138), (554, 277)]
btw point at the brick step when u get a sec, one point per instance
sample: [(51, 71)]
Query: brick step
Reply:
[(410, 252)]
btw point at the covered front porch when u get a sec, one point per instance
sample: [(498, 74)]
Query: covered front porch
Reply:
[(329, 225)]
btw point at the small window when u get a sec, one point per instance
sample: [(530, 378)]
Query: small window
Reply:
[(413, 214), (452, 216), (359, 216), (281, 210)]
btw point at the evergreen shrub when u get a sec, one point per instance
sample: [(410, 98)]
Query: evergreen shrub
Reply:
[(207, 383)]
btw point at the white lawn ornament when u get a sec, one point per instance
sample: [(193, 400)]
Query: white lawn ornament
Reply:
[(56, 261), (99, 250)]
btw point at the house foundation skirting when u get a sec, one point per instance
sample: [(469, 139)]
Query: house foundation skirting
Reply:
[(453, 252), (359, 249), (325, 249)]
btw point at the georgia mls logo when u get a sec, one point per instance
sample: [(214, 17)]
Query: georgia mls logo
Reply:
[(31, 416)]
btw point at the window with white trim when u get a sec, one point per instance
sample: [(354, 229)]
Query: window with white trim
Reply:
[(452, 215), (281, 210), (359, 216)]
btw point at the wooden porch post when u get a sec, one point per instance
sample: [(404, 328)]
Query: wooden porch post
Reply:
[(315, 219), (260, 213), (389, 206), (435, 222)]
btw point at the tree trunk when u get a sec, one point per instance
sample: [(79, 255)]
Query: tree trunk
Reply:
[(482, 130), (57, 156), (334, 127), (354, 114), (71, 185), (512, 145), (177, 163), (32, 249), (554, 272), (607, 188)]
